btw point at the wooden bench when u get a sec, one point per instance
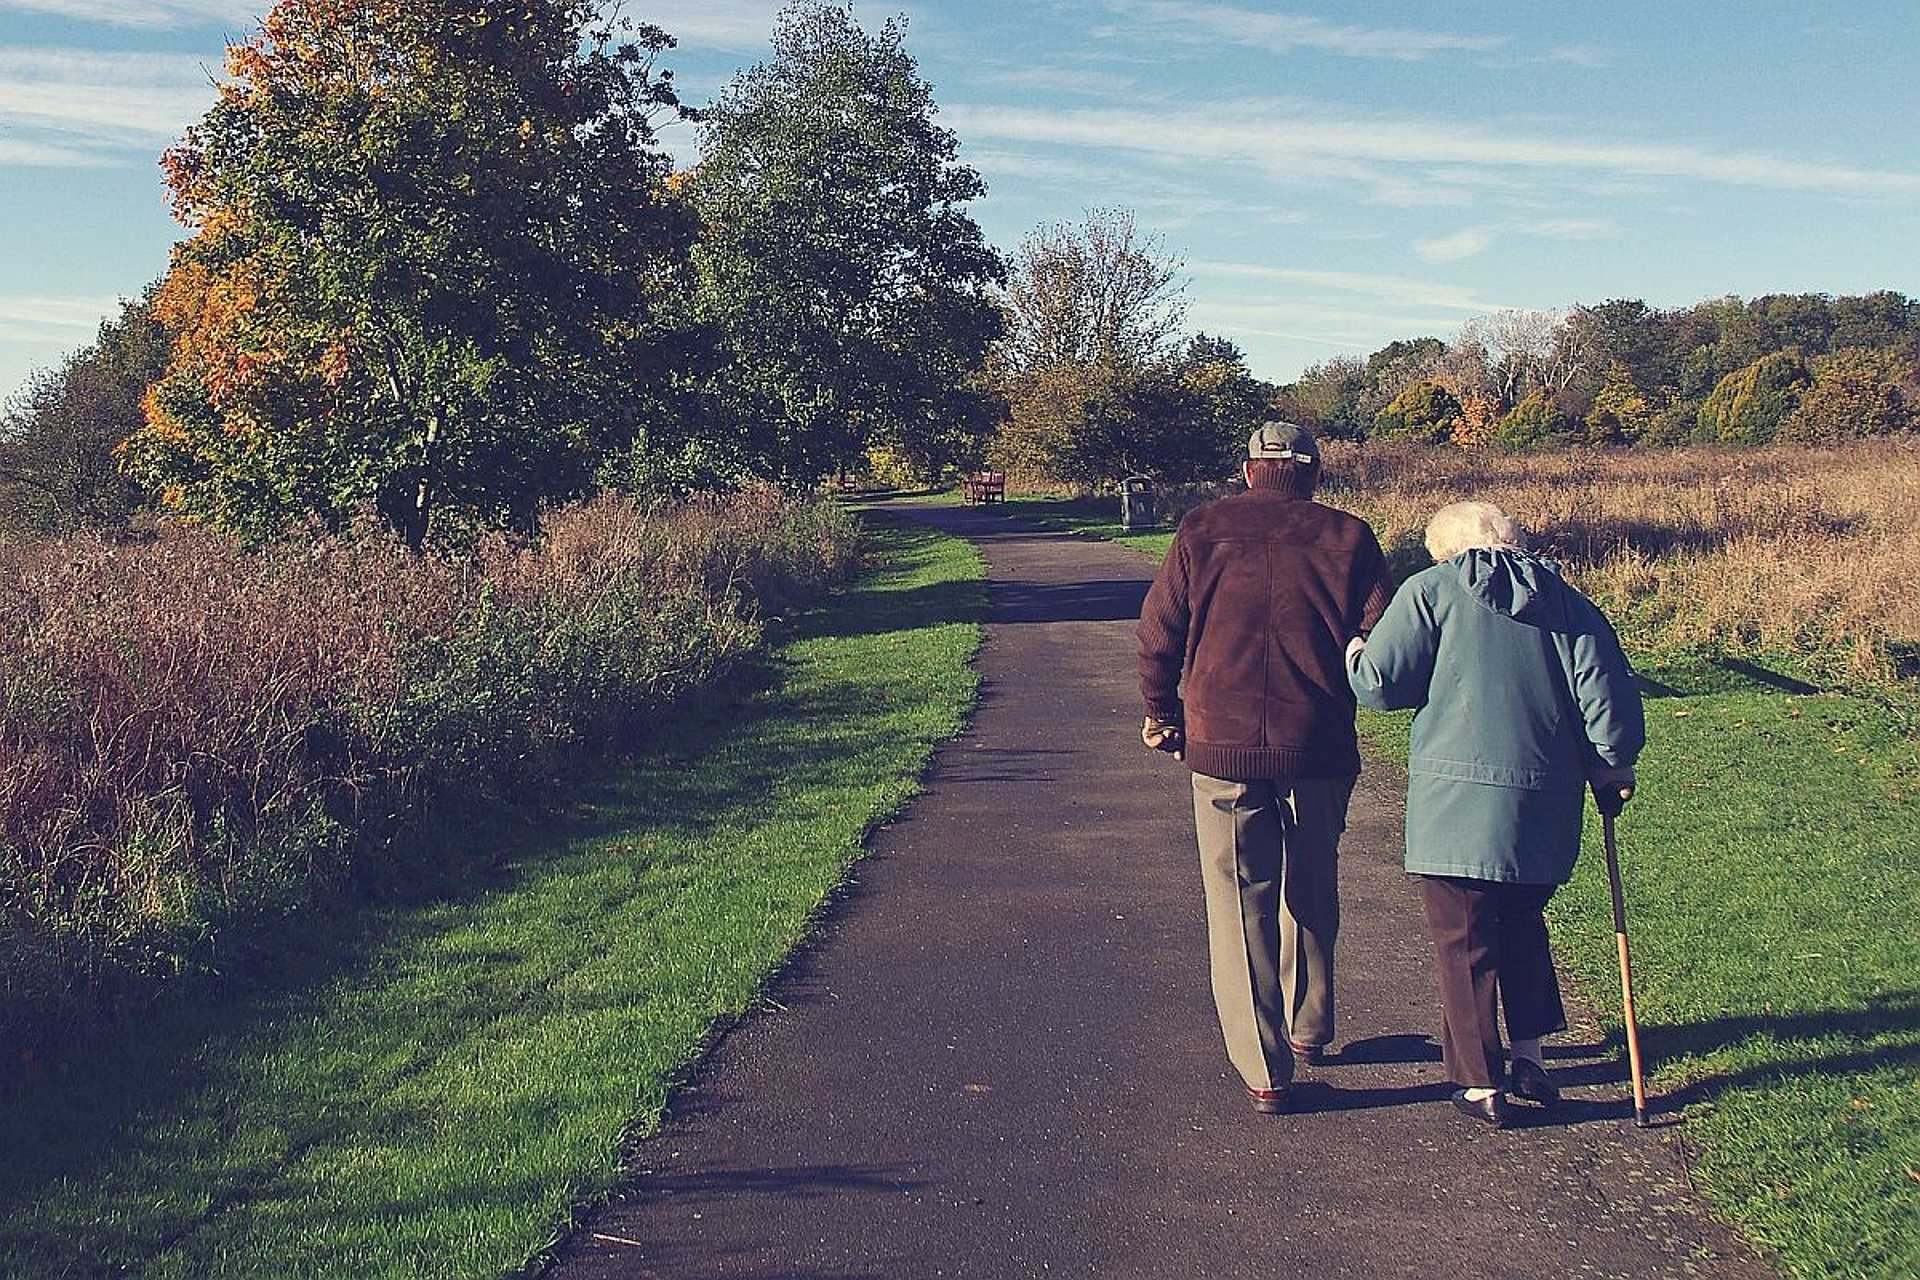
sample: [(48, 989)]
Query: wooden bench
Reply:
[(986, 486)]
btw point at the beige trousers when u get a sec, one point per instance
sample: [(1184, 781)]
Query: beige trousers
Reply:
[(1269, 858)]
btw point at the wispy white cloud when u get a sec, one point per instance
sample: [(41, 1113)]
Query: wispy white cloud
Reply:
[(1401, 290), (40, 155), (80, 107), (1464, 243), (148, 13), (1317, 321), (1286, 33), (1086, 80), (1164, 200), (52, 321), (1471, 241), (1571, 228), (1000, 162), (1580, 55), (1287, 141), (726, 24)]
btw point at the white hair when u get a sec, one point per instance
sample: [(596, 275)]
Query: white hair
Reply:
[(1465, 526)]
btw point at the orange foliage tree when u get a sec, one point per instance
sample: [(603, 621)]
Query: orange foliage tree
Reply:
[(428, 241)]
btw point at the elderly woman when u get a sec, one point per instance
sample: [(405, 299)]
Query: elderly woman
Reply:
[(1523, 699)]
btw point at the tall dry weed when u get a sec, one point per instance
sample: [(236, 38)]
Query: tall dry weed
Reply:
[(1795, 549), (187, 727)]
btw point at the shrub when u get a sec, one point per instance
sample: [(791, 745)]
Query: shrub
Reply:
[(1534, 423), (188, 730), (1620, 412), (1857, 392), (1748, 405), (1425, 411), (1676, 423)]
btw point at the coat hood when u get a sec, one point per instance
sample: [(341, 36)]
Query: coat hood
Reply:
[(1515, 584)]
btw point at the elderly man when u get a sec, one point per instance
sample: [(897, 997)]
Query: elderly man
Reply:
[(1241, 645), (1525, 700)]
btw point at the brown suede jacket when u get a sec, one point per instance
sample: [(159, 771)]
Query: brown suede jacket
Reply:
[(1254, 606)]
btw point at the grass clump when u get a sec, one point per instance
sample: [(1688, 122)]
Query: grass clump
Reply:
[(429, 1090)]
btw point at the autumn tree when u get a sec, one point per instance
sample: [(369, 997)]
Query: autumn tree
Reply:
[(1857, 392), (1477, 424), (851, 288), (424, 237), (1424, 410), (1620, 412), (1095, 292), (60, 437)]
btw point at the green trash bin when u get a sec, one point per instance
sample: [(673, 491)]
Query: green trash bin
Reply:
[(1136, 503)]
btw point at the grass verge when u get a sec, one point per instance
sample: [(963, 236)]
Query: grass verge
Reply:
[(1772, 867), (427, 1090)]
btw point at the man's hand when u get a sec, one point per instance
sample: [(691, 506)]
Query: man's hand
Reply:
[(1165, 735), (1612, 788)]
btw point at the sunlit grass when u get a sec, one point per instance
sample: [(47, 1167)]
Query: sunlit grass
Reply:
[(425, 1091), (1772, 869)]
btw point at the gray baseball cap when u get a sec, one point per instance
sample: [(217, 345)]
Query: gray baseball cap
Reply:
[(1284, 442)]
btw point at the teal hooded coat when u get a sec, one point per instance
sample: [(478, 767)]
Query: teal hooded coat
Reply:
[(1521, 691)]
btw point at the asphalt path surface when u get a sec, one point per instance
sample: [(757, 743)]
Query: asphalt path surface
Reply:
[(1000, 1059)]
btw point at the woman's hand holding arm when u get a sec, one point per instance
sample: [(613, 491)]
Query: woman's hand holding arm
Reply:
[(1389, 669)]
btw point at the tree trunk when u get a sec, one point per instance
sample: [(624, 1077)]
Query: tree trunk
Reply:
[(421, 517)]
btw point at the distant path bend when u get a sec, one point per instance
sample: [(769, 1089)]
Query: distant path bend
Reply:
[(1001, 1060)]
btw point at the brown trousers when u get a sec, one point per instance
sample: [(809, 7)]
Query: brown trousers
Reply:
[(1269, 859), (1490, 937)]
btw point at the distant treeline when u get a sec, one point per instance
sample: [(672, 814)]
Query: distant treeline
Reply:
[(1780, 367), (440, 272)]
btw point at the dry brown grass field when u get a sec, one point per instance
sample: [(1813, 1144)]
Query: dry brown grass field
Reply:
[(1799, 551)]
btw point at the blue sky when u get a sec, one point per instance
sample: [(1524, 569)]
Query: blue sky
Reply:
[(1335, 176)]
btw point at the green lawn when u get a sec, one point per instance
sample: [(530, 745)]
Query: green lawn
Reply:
[(425, 1091), (1773, 885)]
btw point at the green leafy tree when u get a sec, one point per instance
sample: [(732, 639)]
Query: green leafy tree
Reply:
[(1327, 398), (1535, 423), (1231, 400), (1424, 410), (1089, 424), (850, 288), (1158, 421), (1749, 404), (1885, 321), (1673, 423), (1857, 392), (59, 439), (425, 235), (1619, 413), (1046, 437)]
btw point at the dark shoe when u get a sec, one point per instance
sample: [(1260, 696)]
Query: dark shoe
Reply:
[(1489, 1110), (1310, 1054), (1268, 1102), (1529, 1080)]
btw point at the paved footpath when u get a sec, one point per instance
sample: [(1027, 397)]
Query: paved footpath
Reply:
[(1001, 1060)]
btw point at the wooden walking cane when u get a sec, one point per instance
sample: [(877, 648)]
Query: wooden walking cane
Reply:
[(1626, 972)]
